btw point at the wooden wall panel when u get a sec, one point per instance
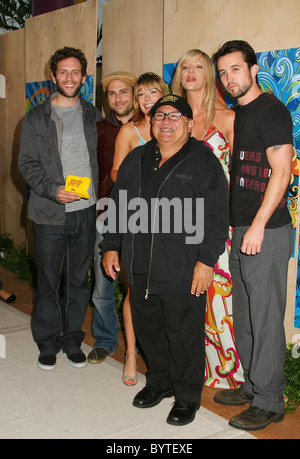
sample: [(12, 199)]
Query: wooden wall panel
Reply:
[(74, 26), (206, 24), (12, 110), (132, 36)]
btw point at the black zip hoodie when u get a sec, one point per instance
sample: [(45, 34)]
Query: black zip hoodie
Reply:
[(197, 173)]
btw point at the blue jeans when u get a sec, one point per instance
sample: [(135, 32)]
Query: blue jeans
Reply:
[(105, 323), (58, 325)]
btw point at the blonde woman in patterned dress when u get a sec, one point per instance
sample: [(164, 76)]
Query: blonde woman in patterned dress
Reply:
[(195, 79)]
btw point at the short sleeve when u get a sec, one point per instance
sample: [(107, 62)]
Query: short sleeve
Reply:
[(275, 125)]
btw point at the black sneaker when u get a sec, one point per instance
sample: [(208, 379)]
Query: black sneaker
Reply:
[(98, 355), (77, 359), (47, 362)]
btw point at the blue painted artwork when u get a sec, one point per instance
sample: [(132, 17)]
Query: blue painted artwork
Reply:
[(38, 91)]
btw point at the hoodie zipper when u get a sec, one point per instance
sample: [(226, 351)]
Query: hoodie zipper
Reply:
[(139, 195), (152, 233)]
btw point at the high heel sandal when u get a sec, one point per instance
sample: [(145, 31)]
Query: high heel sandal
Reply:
[(8, 297), (129, 380)]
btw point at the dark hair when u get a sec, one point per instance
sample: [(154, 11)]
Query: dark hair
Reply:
[(65, 53), (237, 45)]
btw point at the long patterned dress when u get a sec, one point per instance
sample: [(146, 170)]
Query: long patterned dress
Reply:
[(222, 365)]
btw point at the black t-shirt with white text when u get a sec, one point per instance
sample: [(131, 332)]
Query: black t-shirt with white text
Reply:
[(263, 123)]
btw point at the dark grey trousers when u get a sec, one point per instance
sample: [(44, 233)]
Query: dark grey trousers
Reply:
[(259, 300)]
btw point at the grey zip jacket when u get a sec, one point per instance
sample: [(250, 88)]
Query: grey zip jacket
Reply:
[(40, 159)]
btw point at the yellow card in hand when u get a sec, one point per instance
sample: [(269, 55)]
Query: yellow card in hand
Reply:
[(79, 185)]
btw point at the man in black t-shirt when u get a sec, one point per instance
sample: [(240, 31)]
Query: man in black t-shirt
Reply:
[(262, 237)]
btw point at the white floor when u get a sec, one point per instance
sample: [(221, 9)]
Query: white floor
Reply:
[(88, 403)]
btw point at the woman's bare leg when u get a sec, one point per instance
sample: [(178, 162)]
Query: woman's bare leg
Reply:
[(130, 368)]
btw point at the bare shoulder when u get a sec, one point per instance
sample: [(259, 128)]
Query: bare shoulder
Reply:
[(126, 133), (224, 120), (127, 128), (222, 112)]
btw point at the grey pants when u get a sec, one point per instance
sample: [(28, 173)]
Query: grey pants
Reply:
[(259, 300)]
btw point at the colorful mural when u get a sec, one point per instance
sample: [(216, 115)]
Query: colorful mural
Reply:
[(38, 91), (279, 72)]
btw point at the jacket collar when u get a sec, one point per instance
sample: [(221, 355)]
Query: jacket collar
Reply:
[(54, 95), (112, 119)]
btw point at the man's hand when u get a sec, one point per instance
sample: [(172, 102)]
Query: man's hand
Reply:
[(67, 196), (110, 261), (253, 239), (280, 161), (202, 278)]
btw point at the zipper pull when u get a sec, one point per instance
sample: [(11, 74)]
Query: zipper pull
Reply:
[(146, 294)]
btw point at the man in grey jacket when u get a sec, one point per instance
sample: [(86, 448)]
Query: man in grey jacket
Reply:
[(59, 138)]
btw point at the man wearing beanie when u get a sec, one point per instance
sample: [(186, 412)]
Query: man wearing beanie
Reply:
[(118, 89), (174, 238)]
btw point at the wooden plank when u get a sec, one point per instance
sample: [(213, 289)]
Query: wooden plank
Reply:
[(74, 26), (132, 36), (266, 25), (12, 110)]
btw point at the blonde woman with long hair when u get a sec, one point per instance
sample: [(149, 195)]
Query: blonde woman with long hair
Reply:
[(194, 79)]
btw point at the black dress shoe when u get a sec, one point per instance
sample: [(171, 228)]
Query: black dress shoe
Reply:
[(182, 413), (149, 397)]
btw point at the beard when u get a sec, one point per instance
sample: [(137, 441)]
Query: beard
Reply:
[(122, 112), (241, 90), (60, 90)]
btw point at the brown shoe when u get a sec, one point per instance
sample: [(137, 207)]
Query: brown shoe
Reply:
[(97, 355), (233, 396), (254, 419)]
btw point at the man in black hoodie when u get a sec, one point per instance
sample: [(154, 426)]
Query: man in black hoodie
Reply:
[(168, 268)]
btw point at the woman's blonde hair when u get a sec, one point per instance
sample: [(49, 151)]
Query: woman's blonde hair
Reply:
[(148, 80), (209, 99)]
